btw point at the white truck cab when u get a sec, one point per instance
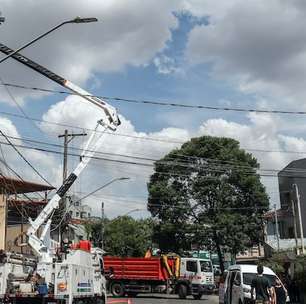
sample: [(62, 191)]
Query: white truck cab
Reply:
[(200, 274)]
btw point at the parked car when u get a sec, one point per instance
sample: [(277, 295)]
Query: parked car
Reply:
[(236, 288)]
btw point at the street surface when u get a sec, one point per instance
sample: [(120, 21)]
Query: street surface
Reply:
[(167, 299)]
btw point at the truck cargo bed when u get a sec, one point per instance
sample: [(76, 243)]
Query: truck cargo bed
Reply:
[(136, 268)]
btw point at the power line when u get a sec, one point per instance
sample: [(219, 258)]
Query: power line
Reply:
[(163, 103), (23, 157), (150, 165), (146, 138), (171, 160), (18, 105)]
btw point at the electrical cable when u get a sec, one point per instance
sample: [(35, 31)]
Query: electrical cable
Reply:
[(23, 157), (18, 105), (162, 103), (151, 165), (210, 161), (154, 139)]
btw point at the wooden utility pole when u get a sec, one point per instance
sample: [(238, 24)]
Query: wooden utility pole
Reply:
[(295, 227), (68, 137), (102, 226), (297, 195), (276, 227)]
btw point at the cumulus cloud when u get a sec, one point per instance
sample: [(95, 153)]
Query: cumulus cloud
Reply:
[(131, 150), (257, 45), (44, 163), (128, 33), (166, 65), (261, 137), (261, 132)]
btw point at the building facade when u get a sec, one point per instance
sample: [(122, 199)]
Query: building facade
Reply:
[(293, 174)]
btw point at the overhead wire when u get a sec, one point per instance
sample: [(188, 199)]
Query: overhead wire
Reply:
[(162, 103), (176, 157), (167, 140), (25, 159), (151, 165), (18, 105)]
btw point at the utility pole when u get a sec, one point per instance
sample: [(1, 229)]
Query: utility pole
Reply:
[(294, 226), (68, 137), (102, 226), (300, 216), (276, 227)]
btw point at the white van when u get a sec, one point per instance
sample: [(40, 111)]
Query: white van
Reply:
[(236, 288)]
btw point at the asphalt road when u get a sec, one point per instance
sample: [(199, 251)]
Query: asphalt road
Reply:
[(166, 299)]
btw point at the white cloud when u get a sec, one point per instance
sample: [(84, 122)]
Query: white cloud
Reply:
[(208, 8), (166, 65), (257, 45), (261, 132), (74, 111), (128, 33), (44, 163)]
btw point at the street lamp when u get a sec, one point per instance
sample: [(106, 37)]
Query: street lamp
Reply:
[(133, 210), (103, 186), (75, 20)]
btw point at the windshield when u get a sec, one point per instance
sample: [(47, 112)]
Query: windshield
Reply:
[(248, 277), (206, 266)]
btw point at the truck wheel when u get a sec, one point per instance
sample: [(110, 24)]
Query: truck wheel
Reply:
[(197, 297), (117, 290), (100, 301), (182, 291)]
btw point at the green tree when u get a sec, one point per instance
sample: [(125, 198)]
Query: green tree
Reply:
[(123, 235), (207, 193)]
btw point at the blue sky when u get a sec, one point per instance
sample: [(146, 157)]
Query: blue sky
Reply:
[(184, 51)]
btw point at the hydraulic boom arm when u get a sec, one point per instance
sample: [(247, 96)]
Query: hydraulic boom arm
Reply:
[(109, 120)]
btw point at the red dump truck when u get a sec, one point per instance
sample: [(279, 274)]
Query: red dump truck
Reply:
[(163, 274)]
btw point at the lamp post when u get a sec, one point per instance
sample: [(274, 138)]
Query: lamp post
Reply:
[(75, 20), (103, 186), (133, 210)]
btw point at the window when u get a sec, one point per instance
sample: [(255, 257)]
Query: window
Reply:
[(206, 266), (291, 232), (77, 214), (192, 266)]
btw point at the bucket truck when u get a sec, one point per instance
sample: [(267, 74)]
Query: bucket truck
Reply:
[(52, 276)]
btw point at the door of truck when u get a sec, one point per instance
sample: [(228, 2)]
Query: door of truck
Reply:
[(236, 289), (207, 273), (229, 286), (192, 270)]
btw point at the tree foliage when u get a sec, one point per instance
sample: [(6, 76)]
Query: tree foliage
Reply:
[(207, 193), (123, 236)]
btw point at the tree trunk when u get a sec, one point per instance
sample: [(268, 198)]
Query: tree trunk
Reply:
[(219, 252)]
